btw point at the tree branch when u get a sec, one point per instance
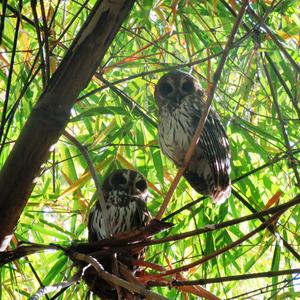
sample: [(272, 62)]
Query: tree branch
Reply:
[(226, 248), (56, 287), (227, 278)]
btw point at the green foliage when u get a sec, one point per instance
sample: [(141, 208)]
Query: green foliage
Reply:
[(261, 119)]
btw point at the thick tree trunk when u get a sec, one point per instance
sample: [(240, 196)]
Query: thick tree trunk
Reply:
[(51, 114)]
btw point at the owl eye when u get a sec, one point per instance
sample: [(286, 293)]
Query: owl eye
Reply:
[(141, 185), (188, 87), (118, 179), (166, 88)]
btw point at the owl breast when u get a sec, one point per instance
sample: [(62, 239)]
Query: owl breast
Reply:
[(121, 211), (209, 167), (176, 130)]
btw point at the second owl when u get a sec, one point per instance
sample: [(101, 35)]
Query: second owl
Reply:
[(180, 100)]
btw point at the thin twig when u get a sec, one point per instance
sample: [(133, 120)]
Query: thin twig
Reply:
[(2, 19), (10, 73), (259, 291), (283, 50), (54, 14), (284, 85), (205, 111), (271, 228), (169, 68), (40, 42), (273, 295), (226, 248), (271, 162), (67, 27), (135, 107), (292, 98), (35, 275), (291, 159), (56, 287), (46, 41), (228, 278), (16, 12), (92, 170), (10, 115)]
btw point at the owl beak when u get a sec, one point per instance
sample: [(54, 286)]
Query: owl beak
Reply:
[(178, 98), (132, 190)]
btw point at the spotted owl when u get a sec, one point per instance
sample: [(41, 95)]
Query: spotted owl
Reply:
[(180, 101), (125, 194)]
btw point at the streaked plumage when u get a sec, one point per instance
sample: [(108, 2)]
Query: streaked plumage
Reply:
[(125, 194), (180, 100)]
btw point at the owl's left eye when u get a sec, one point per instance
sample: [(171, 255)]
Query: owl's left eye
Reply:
[(166, 88), (141, 185), (188, 87)]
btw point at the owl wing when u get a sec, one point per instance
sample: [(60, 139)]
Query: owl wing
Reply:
[(94, 224), (141, 216), (214, 146)]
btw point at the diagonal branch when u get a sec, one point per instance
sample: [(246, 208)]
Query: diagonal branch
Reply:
[(226, 248), (92, 170), (271, 228), (10, 73), (56, 287), (283, 50), (205, 112), (284, 85), (135, 107), (204, 281), (291, 159), (40, 42)]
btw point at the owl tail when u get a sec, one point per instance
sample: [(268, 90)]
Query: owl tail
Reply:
[(220, 195)]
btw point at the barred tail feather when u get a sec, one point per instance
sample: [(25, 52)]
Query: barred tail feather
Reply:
[(220, 195)]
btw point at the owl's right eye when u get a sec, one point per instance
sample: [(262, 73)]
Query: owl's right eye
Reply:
[(166, 88), (141, 185), (188, 87), (118, 179)]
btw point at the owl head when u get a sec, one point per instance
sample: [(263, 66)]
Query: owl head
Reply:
[(174, 87), (129, 181)]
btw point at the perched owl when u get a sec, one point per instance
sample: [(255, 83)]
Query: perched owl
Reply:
[(180, 100), (125, 194)]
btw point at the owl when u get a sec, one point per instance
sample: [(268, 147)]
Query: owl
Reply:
[(125, 194), (180, 100)]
